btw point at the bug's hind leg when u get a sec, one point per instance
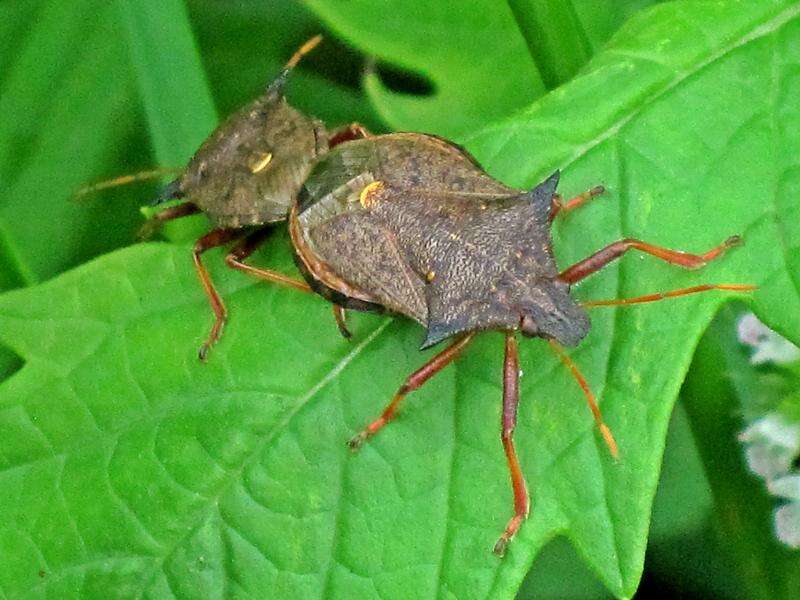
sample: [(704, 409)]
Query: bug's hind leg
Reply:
[(213, 239), (509, 422), (251, 243), (154, 223), (602, 257), (604, 430), (413, 382), (559, 207)]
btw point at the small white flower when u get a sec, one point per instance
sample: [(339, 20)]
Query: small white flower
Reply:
[(769, 346)]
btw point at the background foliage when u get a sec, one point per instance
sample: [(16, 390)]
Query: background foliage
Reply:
[(128, 469)]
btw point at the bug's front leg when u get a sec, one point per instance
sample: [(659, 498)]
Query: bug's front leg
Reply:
[(510, 402), (154, 223), (559, 206), (213, 239)]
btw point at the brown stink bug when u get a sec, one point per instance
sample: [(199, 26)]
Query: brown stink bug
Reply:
[(411, 224)]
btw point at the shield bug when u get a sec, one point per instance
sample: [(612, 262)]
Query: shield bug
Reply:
[(245, 177), (411, 224)]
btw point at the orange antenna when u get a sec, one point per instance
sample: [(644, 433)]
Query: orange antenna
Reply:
[(696, 289), (123, 180), (608, 437), (302, 51)]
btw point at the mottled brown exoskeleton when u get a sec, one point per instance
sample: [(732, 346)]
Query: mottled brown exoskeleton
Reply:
[(411, 224), (245, 177)]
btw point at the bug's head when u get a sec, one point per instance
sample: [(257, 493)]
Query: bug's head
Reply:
[(258, 157), (549, 312)]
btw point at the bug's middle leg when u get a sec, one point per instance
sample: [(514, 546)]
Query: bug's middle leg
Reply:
[(602, 257), (235, 260), (413, 382)]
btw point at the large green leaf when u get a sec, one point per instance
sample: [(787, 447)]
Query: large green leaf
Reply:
[(128, 467)]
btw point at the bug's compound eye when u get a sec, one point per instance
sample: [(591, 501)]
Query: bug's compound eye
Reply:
[(528, 327)]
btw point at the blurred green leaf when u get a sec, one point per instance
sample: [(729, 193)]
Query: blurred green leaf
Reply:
[(232, 477), (172, 83), (68, 91), (472, 53), (245, 44), (563, 35), (718, 386), (178, 104), (65, 97)]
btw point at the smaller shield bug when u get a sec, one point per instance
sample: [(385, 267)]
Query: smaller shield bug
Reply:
[(244, 178)]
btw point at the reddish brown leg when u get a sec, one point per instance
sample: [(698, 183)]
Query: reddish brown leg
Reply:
[(354, 131), (608, 437), (695, 289), (602, 257), (340, 314), (558, 206), (154, 223), (245, 248), (510, 402), (414, 381), (213, 239)]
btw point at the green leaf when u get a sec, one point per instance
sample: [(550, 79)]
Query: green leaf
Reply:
[(65, 95), (695, 134), (128, 467), (475, 58)]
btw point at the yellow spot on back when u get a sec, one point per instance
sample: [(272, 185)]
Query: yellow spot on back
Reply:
[(366, 196), (430, 276), (259, 162)]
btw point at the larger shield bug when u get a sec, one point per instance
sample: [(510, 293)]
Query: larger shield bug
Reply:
[(411, 224)]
